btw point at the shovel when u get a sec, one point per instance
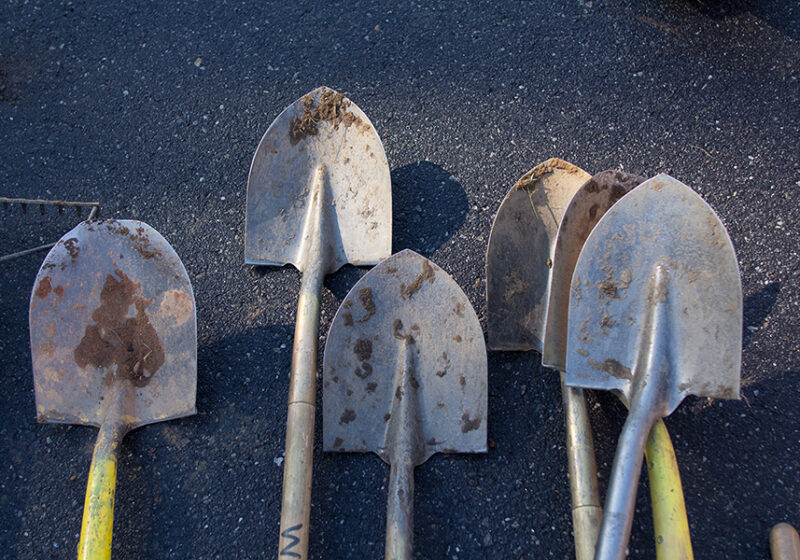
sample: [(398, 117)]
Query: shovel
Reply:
[(587, 206), (318, 197), (519, 261), (656, 314), (404, 376), (114, 345)]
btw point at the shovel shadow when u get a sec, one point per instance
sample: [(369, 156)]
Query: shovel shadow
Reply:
[(429, 206), (756, 309)]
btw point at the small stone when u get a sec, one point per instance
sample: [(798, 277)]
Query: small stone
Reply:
[(198, 61)]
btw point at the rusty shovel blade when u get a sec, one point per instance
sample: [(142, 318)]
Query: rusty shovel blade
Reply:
[(656, 314), (405, 376), (112, 306)]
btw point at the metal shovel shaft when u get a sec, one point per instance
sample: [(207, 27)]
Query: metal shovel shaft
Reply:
[(587, 513), (650, 396), (299, 455)]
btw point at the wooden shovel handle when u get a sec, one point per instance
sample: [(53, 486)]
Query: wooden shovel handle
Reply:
[(98, 508), (784, 542)]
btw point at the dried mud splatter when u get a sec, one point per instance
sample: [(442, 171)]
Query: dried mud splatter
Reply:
[(332, 107), (129, 343), (415, 286)]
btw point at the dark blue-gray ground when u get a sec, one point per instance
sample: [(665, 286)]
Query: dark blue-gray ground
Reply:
[(155, 111)]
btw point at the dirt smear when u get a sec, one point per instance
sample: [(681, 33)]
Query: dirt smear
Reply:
[(612, 367), (527, 181), (426, 274), (469, 425), (363, 349), (129, 343), (331, 107), (365, 297)]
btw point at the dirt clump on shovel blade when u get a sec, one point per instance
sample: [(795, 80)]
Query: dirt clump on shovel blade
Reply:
[(332, 107)]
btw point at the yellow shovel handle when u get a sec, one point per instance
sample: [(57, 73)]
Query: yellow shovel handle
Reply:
[(98, 508), (671, 525)]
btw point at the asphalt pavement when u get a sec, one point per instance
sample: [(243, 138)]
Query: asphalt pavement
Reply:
[(155, 109)]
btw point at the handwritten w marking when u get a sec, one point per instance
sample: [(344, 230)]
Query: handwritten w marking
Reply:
[(293, 540)]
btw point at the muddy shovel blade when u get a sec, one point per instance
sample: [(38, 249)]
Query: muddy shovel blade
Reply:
[(114, 345), (519, 254), (519, 261), (656, 314), (318, 197), (587, 207), (405, 376)]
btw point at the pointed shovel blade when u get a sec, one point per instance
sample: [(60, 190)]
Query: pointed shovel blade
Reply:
[(662, 230), (321, 133), (405, 305)]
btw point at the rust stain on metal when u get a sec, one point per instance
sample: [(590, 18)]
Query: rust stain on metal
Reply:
[(338, 442), (332, 107), (43, 288), (347, 319), (468, 425), (71, 245), (129, 343), (612, 367), (371, 387), (398, 327), (59, 291), (50, 329), (47, 348), (365, 296), (176, 306)]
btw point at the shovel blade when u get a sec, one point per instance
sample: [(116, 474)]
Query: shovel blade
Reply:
[(112, 303), (661, 227), (322, 130), (588, 205), (405, 305), (520, 251)]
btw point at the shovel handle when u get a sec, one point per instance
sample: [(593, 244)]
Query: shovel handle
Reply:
[(587, 513), (98, 508), (784, 543), (296, 501), (673, 541), (400, 511)]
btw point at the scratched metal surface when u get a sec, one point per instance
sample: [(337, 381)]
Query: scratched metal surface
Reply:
[(323, 128), (519, 254), (405, 301), (155, 110), (112, 304), (660, 224)]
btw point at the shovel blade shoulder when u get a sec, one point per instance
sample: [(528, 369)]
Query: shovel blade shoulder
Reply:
[(405, 313), (660, 229), (519, 254), (323, 129), (112, 304)]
